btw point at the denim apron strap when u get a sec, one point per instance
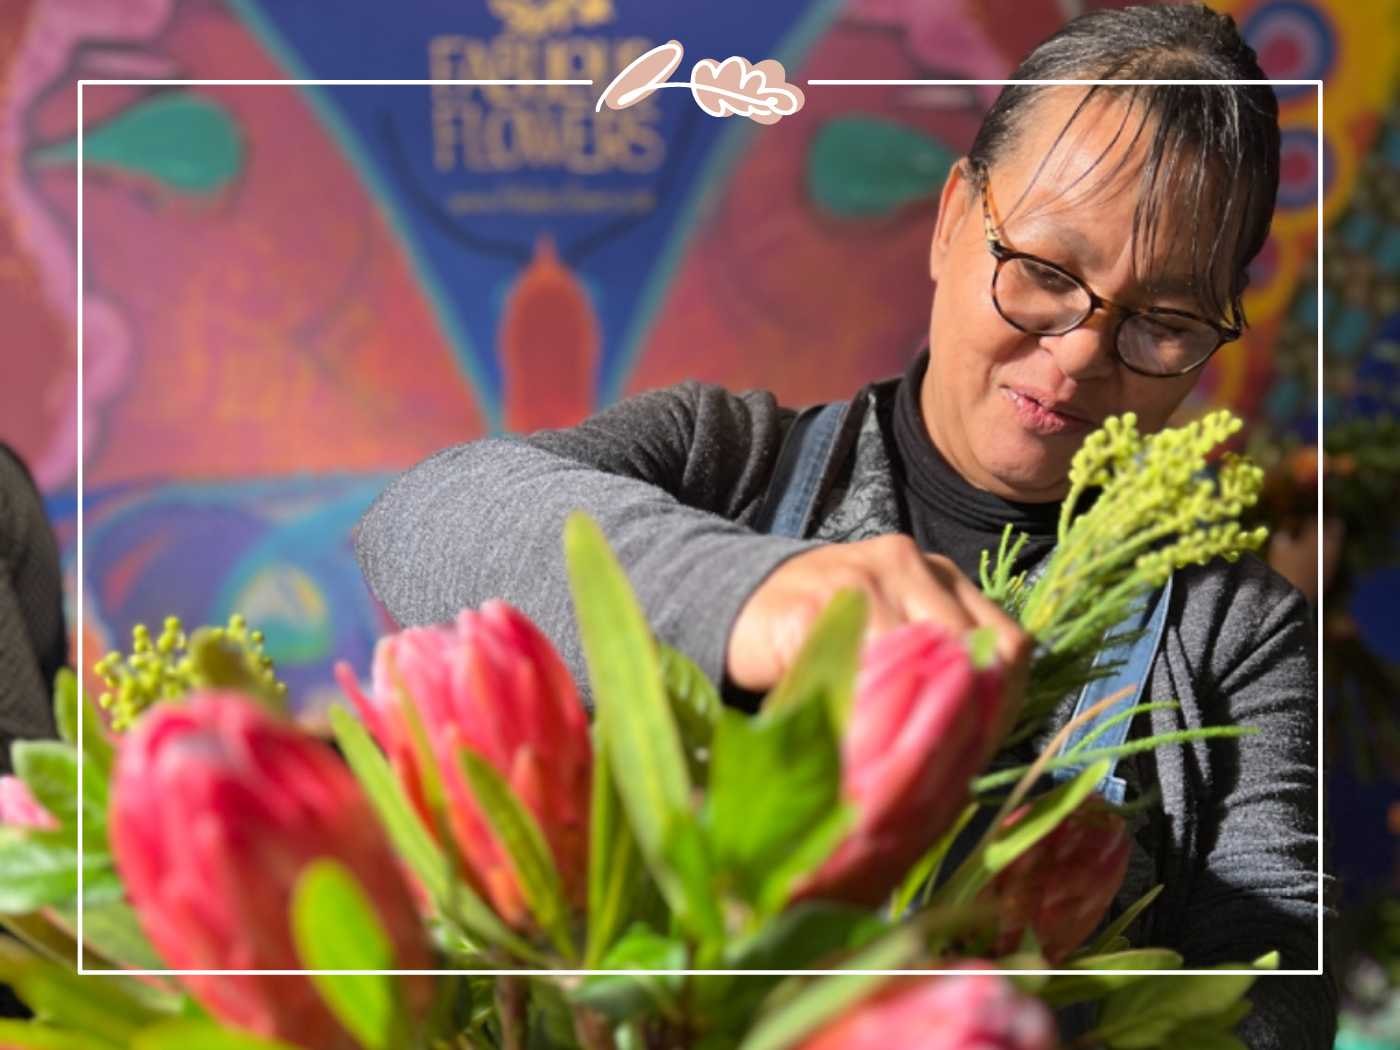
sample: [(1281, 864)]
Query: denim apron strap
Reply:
[(790, 503), (1134, 665)]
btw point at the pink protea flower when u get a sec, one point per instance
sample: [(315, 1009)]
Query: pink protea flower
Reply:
[(1063, 885), (20, 809), (490, 683), (956, 1012), (216, 809), (924, 722)]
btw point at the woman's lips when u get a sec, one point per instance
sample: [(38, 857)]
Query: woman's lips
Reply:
[(1039, 419)]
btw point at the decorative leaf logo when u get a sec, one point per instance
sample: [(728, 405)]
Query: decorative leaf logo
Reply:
[(735, 88), (643, 75), (732, 88)]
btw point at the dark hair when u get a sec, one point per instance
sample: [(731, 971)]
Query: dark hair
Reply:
[(1225, 134)]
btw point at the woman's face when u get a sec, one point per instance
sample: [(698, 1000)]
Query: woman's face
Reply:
[(1007, 409)]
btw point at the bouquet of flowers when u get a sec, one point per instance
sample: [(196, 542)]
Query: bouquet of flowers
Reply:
[(478, 863)]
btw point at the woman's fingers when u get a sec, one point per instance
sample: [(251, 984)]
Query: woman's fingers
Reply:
[(901, 585)]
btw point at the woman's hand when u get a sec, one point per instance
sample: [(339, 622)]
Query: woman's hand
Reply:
[(902, 585)]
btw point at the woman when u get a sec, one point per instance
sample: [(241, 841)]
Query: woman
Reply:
[(1089, 256), (33, 642)]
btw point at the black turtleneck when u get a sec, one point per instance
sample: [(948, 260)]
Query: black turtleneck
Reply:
[(946, 514)]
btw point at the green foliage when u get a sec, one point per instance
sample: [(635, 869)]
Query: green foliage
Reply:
[(1176, 1013), (1003, 844), (622, 997), (1120, 925), (614, 864), (114, 1008), (819, 1001), (206, 1035), (775, 781), (414, 843), (1158, 509), (696, 706), (637, 730), (335, 928), (173, 664), (524, 843), (1091, 986)]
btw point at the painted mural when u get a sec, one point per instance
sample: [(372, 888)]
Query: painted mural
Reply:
[(291, 293)]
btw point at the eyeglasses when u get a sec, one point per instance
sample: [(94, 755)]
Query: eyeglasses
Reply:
[(1041, 298)]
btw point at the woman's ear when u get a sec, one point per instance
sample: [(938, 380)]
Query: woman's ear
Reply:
[(953, 204)]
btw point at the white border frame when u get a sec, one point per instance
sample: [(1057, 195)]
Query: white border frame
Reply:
[(81, 580)]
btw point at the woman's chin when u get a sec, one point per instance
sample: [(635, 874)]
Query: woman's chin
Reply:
[(1029, 478)]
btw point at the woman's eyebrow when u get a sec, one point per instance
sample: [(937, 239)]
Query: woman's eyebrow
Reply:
[(1086, 253)]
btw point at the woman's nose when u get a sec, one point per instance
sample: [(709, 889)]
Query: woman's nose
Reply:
[(1085, 352)]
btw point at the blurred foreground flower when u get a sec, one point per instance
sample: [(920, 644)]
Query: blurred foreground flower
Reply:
[(925, 720), (490, 683), (957, 1012), (1063, 885), (217, 808), (20, 809)]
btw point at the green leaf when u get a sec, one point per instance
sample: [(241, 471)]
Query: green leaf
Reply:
[(640, 733), (524, 843), (1005, 844), (1142, 1015), (773, 779), (982, 648), (1119, 925), (1001, 778), (688, 861), (206, 1035), (613, 862), (827, 997), (806, 935), (1044, 816), (97, 748), (111, 930), (30, 1035), (37, 869), (58, 995), (411, 838), (50, 769), (1060, 991), (1100, 728), (695, 704), (622, 997), (925, 870), (807, 855), (335, 927), (1131, 959), (65, 705), (827, 663), (1211, 1033)]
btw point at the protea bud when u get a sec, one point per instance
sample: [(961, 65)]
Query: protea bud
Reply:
[(1063, 885), (490, 683), (20, 809), (217, 807), (925, 720), (956, 1012)]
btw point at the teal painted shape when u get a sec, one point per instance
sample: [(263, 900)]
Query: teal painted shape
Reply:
[(868, 167), (185, 142)]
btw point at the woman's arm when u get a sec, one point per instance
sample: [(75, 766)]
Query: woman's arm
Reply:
[(671, 476), (33, 643)]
